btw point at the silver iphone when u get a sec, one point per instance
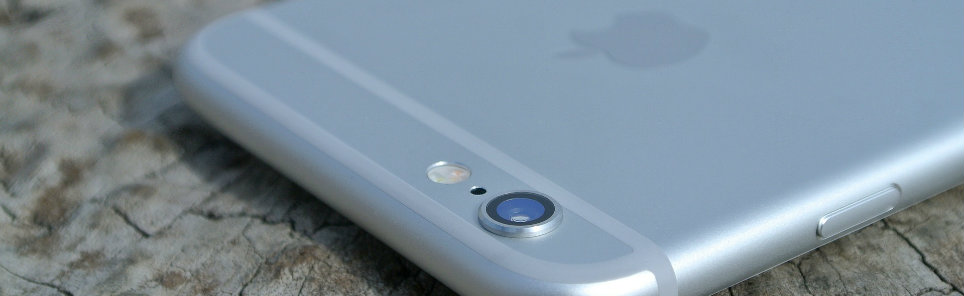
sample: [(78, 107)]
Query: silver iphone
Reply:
[(601, 148)]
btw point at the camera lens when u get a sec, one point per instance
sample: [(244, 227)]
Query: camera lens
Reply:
[(520, 214), (520, 210)]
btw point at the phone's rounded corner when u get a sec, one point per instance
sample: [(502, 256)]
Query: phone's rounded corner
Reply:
[(634, 274), (191, 58), (187, 70), (643, 282), (501, 281)]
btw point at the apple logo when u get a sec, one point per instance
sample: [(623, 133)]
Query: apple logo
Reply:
[(643, 40)]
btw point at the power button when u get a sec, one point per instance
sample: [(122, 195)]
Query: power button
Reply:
[(858, 212)]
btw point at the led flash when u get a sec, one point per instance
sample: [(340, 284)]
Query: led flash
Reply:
[(447, 173)]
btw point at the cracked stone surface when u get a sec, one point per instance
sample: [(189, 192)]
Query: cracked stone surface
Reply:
[(110, 185)]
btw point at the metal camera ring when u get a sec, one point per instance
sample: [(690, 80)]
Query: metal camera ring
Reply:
[(492, 220)]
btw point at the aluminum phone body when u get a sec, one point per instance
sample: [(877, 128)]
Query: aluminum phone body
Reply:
[(775, 135)]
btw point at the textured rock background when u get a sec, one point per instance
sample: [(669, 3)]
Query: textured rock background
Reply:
[(110, 185)]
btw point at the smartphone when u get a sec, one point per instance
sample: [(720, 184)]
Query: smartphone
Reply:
[(630, 148)]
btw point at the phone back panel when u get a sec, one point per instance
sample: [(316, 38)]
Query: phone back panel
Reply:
[(717, 136)]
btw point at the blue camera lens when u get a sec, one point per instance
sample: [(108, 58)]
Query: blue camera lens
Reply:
[(520, 214), (520, 210)]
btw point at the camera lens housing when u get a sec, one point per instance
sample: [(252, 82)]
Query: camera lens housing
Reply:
[(520, 214)]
